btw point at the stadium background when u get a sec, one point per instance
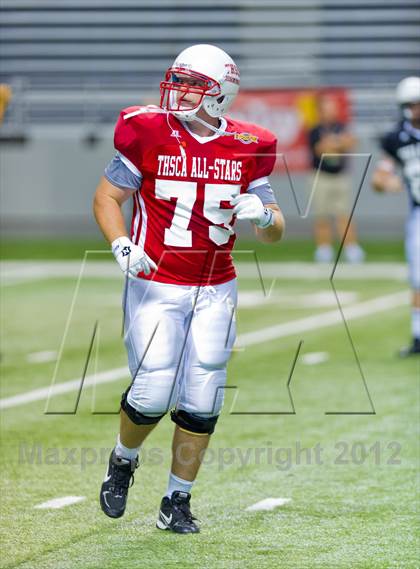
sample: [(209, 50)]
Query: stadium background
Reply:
[(74, 64)]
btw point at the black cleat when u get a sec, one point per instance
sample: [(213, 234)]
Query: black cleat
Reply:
[(175, 514), (412, 350), (118, 479)]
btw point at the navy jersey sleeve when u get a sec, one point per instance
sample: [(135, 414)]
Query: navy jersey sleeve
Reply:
[(389, 145)]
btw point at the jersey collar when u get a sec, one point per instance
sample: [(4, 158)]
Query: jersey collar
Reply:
[(204, 139)]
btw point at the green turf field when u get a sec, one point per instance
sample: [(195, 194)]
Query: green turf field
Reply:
[(352, 492), (288, 250)]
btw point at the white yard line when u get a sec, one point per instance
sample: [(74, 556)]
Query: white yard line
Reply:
[(65, 387), (57, 503), (313, 358), (319, 299), (42, 357), (316, 322), (325, 319), (310, 271), (16, 272), (268, 504)]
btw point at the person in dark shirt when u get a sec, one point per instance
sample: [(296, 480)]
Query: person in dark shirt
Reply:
[(329, 141), (401, 148)]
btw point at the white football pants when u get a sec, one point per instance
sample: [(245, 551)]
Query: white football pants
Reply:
[(179, 340), (412, 247)]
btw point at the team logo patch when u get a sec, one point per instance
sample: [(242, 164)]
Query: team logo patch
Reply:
[(245, 137)]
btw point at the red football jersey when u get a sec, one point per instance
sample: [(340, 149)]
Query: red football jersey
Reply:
[(181, 214)]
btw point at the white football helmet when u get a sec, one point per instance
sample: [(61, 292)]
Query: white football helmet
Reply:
[(408, 92), (202, 76)]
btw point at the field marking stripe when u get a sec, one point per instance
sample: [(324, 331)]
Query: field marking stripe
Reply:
[(14, 273), (57, 503), (65, 387), (314, 358), (268, 504), (41, 357), (321, 320), (324, 319)]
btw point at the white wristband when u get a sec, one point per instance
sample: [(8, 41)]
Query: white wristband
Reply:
[(267, 220), (119, 244)]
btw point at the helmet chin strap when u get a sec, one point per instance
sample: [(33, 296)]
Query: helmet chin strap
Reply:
[(213, 128), (193, 117), (201, 121)]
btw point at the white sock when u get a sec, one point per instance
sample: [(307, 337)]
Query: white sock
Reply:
[(324, 254), (354, 253), (177, 484), (415, 322), (125, 452)]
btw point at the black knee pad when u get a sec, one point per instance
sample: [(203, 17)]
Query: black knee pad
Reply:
[(135, 416), (194, 423)]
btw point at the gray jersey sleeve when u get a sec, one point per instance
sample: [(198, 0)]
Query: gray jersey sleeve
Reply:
[(263, 190), (122, 173)]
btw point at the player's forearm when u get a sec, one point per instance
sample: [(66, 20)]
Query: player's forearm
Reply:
[(347, 142), (274, 232), (335, 144), (109, 217), (329, 144)]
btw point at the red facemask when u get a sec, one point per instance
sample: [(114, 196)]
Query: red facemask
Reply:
[(174, 92)]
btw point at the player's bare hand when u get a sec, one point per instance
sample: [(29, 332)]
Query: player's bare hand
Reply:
[(394, 184)]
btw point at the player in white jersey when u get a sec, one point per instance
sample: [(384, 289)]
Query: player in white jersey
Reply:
[(402, 150), (191, 173)]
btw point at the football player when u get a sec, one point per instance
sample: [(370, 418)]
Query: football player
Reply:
[(402, 150), (190, 172)]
